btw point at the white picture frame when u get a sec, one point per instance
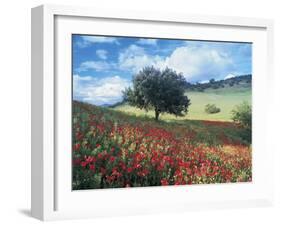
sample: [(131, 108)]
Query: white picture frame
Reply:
[(52, 197)]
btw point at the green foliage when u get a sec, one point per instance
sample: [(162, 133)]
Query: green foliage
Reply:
[(212, 81), (212, 109), (242, 114), (162, 91)]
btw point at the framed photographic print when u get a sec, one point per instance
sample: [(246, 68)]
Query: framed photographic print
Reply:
[(139, 112)]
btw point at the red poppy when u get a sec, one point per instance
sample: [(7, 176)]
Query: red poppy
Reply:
[(77, 147), (83, 164), (111, 159), (164, 182)]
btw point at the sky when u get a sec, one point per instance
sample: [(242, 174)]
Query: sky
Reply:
[(103, 66)]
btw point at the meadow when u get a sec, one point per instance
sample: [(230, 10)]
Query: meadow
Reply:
[(124, 147), (224, 98)]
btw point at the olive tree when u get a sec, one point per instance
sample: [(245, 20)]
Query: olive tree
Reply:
[(160, 90)]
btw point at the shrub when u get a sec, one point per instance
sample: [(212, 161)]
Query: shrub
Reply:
[(242, 114), (212, 109)]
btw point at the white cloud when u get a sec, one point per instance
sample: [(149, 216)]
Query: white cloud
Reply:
[(88, 40), (99, 39), (131, 51), (95, 65), (229, 76), (147, 41), (195, 63), (204, 81), (99, 91), (198, 63), (101, 53), (81, 78), (134, 58)]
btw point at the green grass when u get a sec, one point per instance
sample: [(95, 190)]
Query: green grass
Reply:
[(224, 98)]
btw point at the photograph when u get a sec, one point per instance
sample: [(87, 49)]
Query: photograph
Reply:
[(154, 111)]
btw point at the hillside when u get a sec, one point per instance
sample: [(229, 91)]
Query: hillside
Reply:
[(225, 94), (113, 149), (237, 82)]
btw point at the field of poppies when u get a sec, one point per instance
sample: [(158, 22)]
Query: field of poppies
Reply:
[(112, 150)]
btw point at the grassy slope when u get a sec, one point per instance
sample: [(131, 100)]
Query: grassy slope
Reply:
[(224, 98), (180, 152), (207, 132)]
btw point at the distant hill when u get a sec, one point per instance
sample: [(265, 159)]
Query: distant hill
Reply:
[(116, 104), (225, 94), (106, 105), (236, 84), (237, 81)]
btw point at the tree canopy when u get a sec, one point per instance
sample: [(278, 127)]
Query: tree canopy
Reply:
[(160, 90)]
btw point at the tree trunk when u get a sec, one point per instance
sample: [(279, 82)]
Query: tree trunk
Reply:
[(157, 113)]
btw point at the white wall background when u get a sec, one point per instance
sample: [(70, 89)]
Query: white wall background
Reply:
[(15, 111)]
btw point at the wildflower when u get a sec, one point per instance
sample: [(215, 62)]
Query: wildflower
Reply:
[(77, 147), (164, 182), (111, 159), (92, 167), (83, 163)]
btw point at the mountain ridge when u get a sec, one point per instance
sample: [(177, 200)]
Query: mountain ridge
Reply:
[(245, 80)]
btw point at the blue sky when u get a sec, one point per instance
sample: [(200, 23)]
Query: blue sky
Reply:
[(104, 66)]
